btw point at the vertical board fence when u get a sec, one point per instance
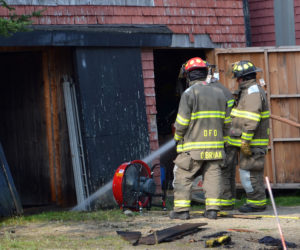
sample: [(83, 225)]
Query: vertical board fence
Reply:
[(281, 73)]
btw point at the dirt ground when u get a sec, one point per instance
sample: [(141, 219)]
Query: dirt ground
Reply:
[(251, 230)]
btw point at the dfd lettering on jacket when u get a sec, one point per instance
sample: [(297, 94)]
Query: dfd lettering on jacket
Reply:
[(210, 132)]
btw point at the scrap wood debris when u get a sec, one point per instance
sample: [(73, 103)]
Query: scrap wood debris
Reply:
[(164, 235), (241, 230), (227, 215)]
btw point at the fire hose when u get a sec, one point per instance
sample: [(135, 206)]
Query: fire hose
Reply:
[(287, 121)]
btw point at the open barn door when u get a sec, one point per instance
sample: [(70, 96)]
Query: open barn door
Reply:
[(22, 127)]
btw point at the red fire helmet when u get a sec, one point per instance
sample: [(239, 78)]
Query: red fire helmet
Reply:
[(195, 63)]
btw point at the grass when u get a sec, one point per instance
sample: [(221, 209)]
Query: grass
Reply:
[(293, 200), (66, 216), (82, 240), (10, 239), (61, 242), (281, 199)]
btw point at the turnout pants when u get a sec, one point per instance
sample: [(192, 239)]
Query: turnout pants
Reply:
[(185, 171), (252, 177), (228, 175)]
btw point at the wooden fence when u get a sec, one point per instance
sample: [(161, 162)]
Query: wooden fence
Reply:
[(281, 73)]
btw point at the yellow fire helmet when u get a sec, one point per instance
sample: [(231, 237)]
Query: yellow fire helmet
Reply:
[(242, 68)]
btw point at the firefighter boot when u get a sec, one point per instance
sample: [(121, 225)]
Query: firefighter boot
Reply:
[(211, 214), (246, 208), (180, 215)]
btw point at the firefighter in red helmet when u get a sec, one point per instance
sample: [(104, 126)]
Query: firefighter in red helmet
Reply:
[(199, 135), (249, 135)]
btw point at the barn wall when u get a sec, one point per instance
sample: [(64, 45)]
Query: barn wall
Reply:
[(149, 85), (222, 20), (297, 20), (262, 22), (194, 23)]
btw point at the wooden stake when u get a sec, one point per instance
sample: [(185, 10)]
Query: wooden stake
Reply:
[(275, 212)]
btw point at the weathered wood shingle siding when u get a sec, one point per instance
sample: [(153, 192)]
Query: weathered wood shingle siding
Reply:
[(262, 22), (223, 21), (297, 20)]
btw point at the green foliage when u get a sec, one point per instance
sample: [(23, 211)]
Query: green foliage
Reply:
[(280, 200), (287, 201), (15, 23)]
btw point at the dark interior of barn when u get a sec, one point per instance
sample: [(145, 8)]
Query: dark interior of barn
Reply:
[(23, 127), (167, 64)]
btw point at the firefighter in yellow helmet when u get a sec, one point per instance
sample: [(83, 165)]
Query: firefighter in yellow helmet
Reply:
[(199, 135), (249, 134)]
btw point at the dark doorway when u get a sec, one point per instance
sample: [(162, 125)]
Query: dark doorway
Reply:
[(167, 64), (22, 127)]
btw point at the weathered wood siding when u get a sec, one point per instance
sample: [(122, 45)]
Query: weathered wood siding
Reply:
[(112, 108), (282, 76), (262, 22), (222, 21), (58, 62)]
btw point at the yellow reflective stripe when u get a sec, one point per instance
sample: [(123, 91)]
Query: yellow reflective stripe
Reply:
[(230, 103), (182, 203), (213, 202), (225, 138), (179, 148), (259, 142), (234, 142), (246, 136), (226, 202), (208, 114), (257, 203), (227, 119), (265, 114), (202, 145), (177, 137), (254, 142), (182, 121), (246, 114)]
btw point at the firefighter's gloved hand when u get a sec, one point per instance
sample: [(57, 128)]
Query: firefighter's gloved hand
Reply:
[(245, 148)]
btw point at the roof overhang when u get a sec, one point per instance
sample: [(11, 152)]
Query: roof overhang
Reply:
[(92, 35)]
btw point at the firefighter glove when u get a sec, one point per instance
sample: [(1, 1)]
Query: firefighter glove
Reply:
[(245, 148)]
